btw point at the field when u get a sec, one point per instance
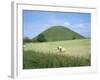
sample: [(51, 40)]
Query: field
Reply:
[(46, 54)]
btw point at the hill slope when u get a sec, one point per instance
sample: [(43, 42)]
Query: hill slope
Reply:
[(58, 33)]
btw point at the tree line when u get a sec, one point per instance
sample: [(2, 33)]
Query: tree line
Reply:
[(40, 38)]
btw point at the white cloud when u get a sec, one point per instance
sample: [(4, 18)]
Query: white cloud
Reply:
[(80, 25), (67, 24)]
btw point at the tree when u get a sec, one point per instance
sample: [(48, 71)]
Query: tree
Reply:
[(74, 38), (41, 38), (27, 40)]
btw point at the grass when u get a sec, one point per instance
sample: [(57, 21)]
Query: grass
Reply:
[(45, 55), (56, 33)]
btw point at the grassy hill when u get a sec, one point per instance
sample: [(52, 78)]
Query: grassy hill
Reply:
[(59, 33)]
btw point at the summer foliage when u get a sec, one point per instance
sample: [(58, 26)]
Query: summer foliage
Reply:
[(54, 39), (57, 33), (45, 55)]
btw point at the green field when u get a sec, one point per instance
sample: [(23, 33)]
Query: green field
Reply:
[(46, 55)]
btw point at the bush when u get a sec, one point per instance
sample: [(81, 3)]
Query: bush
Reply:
[(27, 40), (73, 38), (41, 38)]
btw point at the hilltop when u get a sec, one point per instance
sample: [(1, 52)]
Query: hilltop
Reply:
[(58, 33)]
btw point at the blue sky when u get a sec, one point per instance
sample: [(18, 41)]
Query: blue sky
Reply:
[(34, 22)]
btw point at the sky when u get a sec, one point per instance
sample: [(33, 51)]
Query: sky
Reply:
[(35, 22)]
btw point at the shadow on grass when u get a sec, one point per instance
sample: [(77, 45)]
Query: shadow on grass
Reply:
[(33, 60)]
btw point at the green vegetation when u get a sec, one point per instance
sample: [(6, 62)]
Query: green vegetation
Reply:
[(41, 38), (58, 33), (46, 55), (27, 40), (43, 53)]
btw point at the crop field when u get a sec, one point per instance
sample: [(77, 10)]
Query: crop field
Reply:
[(46, 55)]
